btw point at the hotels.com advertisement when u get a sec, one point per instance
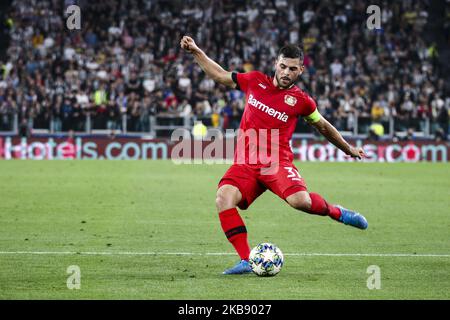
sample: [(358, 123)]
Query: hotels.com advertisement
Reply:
[(132, 148)]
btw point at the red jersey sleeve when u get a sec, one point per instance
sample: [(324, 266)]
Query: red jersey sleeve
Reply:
[(309, 110), (243, 79), (308, 106)]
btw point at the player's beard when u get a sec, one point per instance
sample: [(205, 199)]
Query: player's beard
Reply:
[(282, 85)]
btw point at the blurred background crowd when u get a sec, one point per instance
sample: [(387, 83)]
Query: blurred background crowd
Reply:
[(124, 67)]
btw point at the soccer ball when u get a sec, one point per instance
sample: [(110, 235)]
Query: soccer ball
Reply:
[(266, 259)]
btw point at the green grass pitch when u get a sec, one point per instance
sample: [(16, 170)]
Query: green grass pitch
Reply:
[(109, 217)]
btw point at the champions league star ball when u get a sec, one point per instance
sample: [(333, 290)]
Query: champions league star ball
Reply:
[(266, 259)]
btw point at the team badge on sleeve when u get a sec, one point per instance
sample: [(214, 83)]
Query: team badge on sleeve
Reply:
[(290, 100)]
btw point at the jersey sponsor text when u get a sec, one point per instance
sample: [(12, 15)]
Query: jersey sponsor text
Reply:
[(282, 116)]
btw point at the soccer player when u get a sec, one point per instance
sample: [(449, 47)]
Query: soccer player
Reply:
[(272, 103)]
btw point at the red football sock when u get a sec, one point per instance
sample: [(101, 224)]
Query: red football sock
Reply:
[(234, 228), (323, 208)]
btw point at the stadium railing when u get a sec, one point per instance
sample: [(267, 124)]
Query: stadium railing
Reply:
[(162, 125)]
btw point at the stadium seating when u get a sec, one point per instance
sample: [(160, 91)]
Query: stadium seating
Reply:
[(124, 69)]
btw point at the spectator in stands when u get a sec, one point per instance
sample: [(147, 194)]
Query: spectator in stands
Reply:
[(185, 108), (113, 116), (199, 130), (440, 135), (376, 131), (24, 128), (443, 119), (409, 135), (56, 120)]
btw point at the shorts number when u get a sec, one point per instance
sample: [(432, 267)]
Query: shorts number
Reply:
[(293, 174)]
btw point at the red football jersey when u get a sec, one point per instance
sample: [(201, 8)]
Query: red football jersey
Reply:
[(268, 107)]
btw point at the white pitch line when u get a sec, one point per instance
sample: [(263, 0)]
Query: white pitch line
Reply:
[(305, 254)]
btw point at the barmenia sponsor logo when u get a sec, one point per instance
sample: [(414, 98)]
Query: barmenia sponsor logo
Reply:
[(264, 108)]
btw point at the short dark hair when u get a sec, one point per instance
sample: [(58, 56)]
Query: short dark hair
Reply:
[(291, 51)]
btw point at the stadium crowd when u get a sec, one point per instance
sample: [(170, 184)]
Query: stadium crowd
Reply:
[(126, 60)]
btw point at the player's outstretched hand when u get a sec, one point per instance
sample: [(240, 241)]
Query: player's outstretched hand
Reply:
[(357, 153), (188, 44)]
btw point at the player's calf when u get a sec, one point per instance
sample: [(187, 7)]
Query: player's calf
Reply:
[(233, 226), (301, 201), (313, 203)]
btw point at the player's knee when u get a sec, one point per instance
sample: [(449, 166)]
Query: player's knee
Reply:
[(223, 202), (227, 197), (300, 201), (220, 202)]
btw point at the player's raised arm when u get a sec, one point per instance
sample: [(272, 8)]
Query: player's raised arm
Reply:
[(209, 66), (333, 135)]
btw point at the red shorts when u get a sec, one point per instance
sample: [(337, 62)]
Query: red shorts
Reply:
[(251, 183)]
